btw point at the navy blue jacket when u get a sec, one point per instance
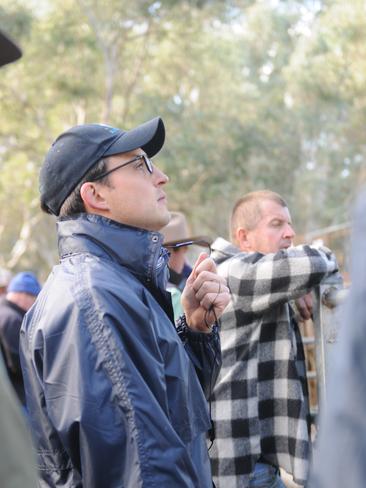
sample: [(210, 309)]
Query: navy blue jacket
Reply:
[(112, 390)]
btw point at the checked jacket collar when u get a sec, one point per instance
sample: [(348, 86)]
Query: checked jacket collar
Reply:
[(259, 403)]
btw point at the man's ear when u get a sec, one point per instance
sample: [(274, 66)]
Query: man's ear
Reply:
[(242, 239), (93, 197)]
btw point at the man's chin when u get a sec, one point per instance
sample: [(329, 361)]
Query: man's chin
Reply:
[(163, 221)]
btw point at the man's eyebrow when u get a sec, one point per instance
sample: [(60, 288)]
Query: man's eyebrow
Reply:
[(279, 219)]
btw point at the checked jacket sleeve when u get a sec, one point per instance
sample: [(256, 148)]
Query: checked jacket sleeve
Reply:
[(259, 281)]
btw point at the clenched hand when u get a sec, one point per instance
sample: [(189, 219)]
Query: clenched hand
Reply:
[(205, 295)]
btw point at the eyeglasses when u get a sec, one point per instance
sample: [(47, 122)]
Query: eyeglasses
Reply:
[(190, 243), (147, 161)]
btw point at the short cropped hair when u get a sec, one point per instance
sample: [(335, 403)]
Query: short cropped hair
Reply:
[(74, 203), (247, 210)]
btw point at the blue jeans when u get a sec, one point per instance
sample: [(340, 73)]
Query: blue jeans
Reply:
[(265, 476)]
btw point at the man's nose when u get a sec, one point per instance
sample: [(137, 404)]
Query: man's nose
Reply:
[(160, 178), (289, 232)]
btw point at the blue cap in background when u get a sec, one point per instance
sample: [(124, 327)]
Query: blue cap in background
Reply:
[(25, 282)]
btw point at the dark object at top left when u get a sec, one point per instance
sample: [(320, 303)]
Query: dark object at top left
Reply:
[(9, 51)]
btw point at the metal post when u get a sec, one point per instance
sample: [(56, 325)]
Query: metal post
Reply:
[(326, 327)]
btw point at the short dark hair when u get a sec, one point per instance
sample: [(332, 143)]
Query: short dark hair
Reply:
[(247, 211), (74, 203)]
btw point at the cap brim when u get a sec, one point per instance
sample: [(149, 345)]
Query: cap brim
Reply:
[(149, 136), (9, 51)]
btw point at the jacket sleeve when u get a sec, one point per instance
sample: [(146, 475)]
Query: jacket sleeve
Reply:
[(204, 351), (258, 282)]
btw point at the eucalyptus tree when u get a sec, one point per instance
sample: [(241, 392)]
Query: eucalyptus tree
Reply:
[(254, 94)]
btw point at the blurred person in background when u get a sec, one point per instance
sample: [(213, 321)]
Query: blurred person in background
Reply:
[(339, 454), (177, 240), (5, 277), (17, 465), (21, 294)]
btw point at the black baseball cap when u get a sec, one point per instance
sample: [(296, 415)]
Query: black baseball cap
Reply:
[(9, 51), (77, 150)]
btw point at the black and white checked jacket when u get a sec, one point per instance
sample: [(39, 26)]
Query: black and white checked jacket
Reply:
[(259, 403)]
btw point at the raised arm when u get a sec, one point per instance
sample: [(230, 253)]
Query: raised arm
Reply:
[(258, 282)]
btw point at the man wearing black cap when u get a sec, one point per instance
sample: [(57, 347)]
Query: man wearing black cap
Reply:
[(16, 461), (112, 389)]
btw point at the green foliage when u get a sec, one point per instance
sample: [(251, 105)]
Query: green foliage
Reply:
[(254, 94)]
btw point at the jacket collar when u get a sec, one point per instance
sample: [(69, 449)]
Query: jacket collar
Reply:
[(137, 249)]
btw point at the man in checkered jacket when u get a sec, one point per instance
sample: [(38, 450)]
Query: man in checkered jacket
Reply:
[(260, 402)]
